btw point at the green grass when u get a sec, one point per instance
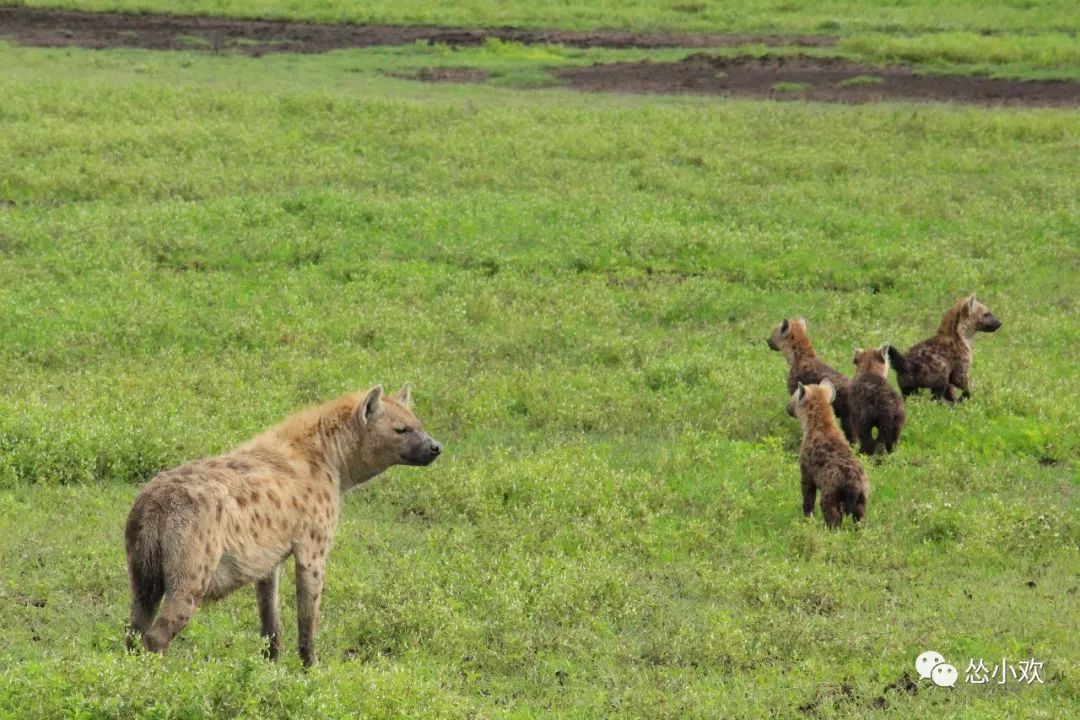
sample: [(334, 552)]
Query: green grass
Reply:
[(790, 87), (861, 81), (579, 287), (821, 16)]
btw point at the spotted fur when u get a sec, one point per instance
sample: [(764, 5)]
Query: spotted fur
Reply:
[(943, 363), (873, 402), (826, 461), (790, 338), (198, 532)]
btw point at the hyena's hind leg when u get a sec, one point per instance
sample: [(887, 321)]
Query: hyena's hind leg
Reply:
[(867, 442), (832, 507), (858, 508), (147, 589), (187, 578), (180, 604)]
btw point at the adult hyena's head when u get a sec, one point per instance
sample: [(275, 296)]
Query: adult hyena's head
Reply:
[(390, 434)]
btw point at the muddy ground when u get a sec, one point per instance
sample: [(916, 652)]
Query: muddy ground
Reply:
[(797, 77), (58, 28), (810, 78)]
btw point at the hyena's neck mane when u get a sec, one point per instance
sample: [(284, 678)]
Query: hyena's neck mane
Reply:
[(952, 323), (325, 436), (799, 346), (819, 419)]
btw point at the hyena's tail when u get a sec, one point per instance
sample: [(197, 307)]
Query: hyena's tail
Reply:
[(146, 567), (897, 360)]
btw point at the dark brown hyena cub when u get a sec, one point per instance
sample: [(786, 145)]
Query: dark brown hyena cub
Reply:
[(790, 338), (873, 402), (826, 460), (943, 362)]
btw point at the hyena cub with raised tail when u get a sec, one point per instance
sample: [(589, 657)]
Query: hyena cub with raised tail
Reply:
[(200, 531), (826, 461), (790, 338), (943, 362), (873, 403)]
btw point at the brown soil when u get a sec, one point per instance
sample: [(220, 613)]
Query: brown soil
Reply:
[(53, 28), (811, 78)]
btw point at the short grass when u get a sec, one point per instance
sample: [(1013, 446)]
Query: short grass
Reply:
[(579, 288), (819, 16)]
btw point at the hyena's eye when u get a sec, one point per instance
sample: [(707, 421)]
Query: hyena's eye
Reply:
[(401, 430)]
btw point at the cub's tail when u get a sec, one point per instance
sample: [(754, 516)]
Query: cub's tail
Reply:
[(897, 360)]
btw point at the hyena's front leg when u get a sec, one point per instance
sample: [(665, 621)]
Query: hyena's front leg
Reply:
[(309, 579), (266, 592), (962, 381), (809, 493)]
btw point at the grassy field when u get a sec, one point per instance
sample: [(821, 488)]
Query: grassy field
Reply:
[(579, 288), (819, 16)]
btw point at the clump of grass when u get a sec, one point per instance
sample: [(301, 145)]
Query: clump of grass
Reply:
[(861, 81), (790, 87)]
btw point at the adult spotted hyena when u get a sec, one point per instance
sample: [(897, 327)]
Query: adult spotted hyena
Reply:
[(873, 403), (943, 362), (826, 461), (790, 338), (200, 531)]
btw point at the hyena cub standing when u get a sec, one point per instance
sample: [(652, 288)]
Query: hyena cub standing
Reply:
[(200, 531), (826, 461), (944, 361), (873, 403), (790, 338)]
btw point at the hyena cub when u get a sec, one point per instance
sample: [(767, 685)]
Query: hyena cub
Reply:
[(826, 461), (873, 403), (200, 531), (790, 338), (943, 362)]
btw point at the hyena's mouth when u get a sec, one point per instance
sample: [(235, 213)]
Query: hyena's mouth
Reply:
[(772, 345), (990, 325)]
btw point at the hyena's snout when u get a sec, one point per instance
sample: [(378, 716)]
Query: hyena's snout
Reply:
[(988, 323), (423, 450)]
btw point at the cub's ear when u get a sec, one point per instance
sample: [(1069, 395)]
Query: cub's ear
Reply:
[(855, 353), (884, 352), (800, 394), (370, 406), (784, 327), (404, 395), (827, 384), (971, 301)]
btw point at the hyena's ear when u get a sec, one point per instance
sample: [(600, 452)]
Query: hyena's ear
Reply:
[(971, 302), (801, 321), (784, 327), (827, 384), (800, 394), (855, 352), (884, 352), (404, 395), (370, 407)]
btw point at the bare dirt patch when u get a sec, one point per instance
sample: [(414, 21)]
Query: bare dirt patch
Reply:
[(802, 77), (60, 28)]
